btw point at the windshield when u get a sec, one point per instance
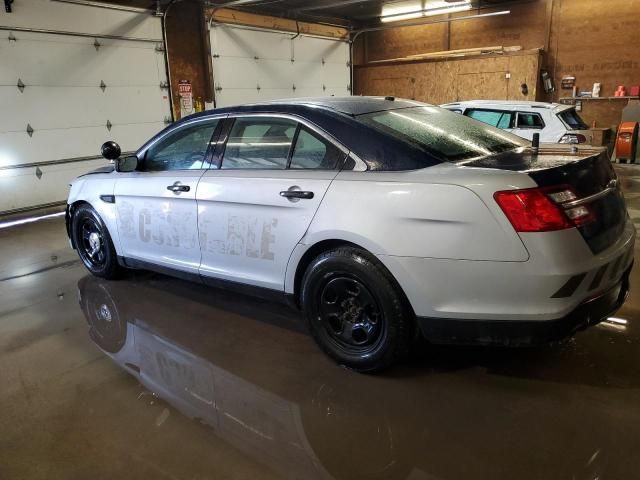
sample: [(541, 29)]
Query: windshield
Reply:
[(572, 120), (444, 134)]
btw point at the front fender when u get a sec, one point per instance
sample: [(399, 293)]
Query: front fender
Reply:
[(88, 190)]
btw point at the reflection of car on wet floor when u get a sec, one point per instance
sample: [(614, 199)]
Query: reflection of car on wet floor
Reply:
[(302, 420), (380, 218)]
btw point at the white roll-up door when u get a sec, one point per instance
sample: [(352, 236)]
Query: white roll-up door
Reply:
[(63, 94), (252, 65)]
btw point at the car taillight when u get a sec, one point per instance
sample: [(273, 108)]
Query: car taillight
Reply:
[(542, 209), (573, 138)]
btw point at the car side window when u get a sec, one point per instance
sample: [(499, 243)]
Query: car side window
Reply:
[(259, 142), (529, 120), (314, 152), (183, 149), (495, 118)]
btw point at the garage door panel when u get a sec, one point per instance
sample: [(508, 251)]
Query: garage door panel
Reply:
[(318, 49), (337, 92), (23, 187), (306, 74), (236, 96), (267, 74), (228, 41), (71, 116), (45, 14), (75, 62), (319, 66), (17, 148), (64, 107), (335, 76)]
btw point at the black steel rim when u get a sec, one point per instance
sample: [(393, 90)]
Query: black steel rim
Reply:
[(350, 315), (92, 245), (107, 329)]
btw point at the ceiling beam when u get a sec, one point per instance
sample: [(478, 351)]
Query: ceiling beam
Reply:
[(326, 6)]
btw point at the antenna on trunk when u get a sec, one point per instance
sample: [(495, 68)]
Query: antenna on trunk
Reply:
[(535, 143)]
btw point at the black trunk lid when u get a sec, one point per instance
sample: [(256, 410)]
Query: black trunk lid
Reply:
[(587, 170)]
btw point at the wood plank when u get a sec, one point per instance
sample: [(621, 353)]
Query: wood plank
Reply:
[(236, 17)]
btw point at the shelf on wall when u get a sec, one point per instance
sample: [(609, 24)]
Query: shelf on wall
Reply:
[(597, 98)]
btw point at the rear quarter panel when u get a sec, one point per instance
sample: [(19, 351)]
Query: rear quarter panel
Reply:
[(438, 212)]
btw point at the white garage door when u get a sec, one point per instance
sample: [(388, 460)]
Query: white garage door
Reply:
[(254, 65), (62, 96)]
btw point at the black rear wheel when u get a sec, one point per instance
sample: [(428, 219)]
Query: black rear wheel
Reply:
[(356, 311), (94, 244)]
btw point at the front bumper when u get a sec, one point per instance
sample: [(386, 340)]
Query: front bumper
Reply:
[(526, 333), (67, 222)]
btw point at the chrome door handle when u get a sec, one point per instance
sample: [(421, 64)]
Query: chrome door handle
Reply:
[(177, 188), (297, 194)]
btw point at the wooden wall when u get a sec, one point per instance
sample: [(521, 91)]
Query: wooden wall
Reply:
[(594, 40), (441, 81), (188, 42)]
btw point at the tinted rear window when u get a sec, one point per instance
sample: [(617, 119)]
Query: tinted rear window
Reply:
[(443, 134), (495, 118), (572, 120)]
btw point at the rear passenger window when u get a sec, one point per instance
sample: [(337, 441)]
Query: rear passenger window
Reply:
[(314, 152), (529, 120), (259, 142), (495, 118)]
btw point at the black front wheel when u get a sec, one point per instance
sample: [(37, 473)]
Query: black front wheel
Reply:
[(356, 311), (93, 243)]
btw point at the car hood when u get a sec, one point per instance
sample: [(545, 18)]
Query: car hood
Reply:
[(105, 169)]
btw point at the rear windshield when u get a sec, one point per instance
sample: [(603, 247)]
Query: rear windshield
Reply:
[(572, 120), (445, 135)]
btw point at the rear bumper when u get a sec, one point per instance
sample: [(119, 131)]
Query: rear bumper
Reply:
[(526, 333)]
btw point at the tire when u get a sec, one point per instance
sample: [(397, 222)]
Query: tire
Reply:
[(357, 313), (106, 327), (100, 258)]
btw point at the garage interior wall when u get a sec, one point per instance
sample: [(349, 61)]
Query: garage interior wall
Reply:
[(187, 43), (442, 81), (258, 58), (594, 41), (69, 93), (252, 66), (224, 55)]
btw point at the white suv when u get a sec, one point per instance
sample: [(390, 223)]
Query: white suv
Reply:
[(554, 122)]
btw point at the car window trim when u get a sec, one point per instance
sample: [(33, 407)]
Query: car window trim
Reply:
[(142, 153), (301, 121), (517, 127), (232, 120), (292, 149), (491, 110), (559, 114), (339, 164)]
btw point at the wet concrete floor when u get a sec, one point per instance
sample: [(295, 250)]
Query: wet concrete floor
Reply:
[(156, 378)]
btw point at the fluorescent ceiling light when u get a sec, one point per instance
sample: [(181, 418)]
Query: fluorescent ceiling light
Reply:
[(411, 10)]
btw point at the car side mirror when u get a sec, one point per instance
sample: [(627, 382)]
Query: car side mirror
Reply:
[(110, 150), (127, 164)]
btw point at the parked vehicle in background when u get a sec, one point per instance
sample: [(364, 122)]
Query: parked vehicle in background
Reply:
[(556, 123)]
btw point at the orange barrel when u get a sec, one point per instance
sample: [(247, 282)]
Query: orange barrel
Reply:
[(626, 141)]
